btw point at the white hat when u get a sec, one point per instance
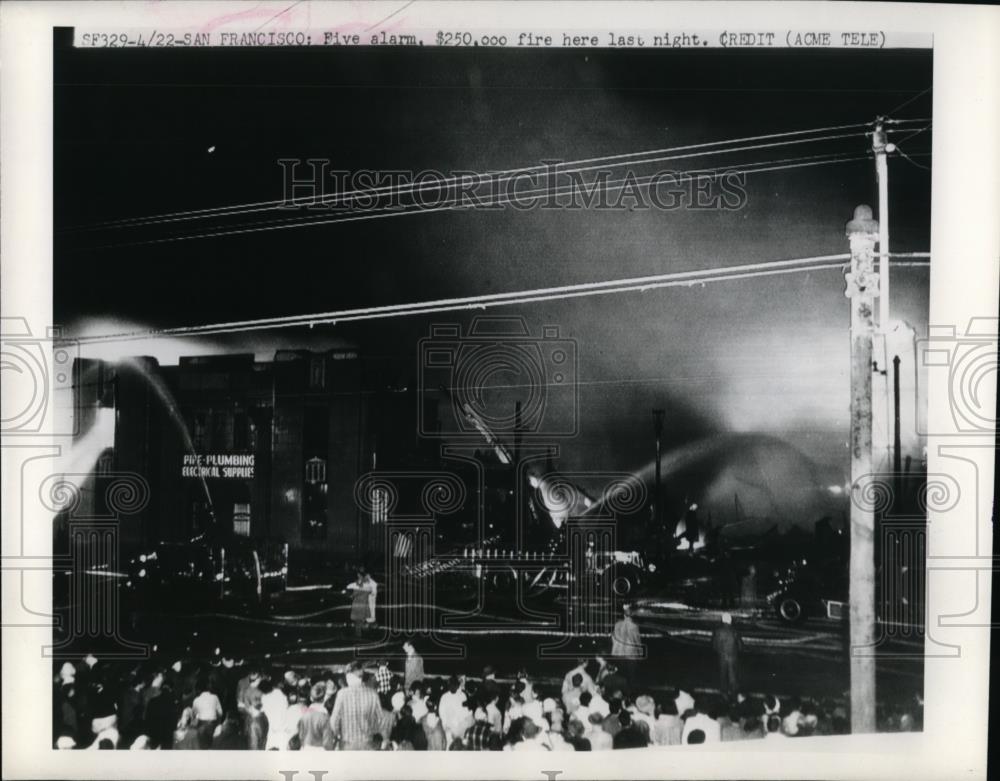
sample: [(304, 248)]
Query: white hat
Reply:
[(64, 742), (684, 701)]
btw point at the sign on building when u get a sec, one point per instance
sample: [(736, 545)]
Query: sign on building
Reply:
[(221, 465)]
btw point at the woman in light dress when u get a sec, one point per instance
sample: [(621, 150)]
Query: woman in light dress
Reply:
[(360, 604)]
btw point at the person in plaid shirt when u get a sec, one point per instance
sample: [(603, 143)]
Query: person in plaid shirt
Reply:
[(383, 678), (357, 713), (479, 737)]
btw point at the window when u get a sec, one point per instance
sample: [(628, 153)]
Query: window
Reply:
[(221, 430), (315, 444), (317, 372), (315, 471), (105, 386), (380, 505), (106, 462), (200, 431), (241, 431), (241, 519)]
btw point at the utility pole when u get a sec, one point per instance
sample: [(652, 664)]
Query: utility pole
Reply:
[(881, 147), (657, 494), (862, 287), (897, 464), (518, 428), (522, 518)]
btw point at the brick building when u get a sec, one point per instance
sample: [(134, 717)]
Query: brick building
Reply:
[(270, 449)]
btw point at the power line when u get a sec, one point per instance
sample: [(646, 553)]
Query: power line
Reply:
[(389, 211), (910, 135), (482, 302), (911, 161), (906, 103), (222, 211)]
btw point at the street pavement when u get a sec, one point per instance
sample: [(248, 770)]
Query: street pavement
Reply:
[(309, 627)]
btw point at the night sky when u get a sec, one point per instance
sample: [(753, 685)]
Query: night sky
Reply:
[(133, 129)]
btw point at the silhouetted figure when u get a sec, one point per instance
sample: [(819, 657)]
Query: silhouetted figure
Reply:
[(748, 589), (626, 646), (691, 525), (730, 584), (360, 605), (727, 643)]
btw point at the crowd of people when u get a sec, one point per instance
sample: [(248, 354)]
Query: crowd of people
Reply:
[(597, 706)]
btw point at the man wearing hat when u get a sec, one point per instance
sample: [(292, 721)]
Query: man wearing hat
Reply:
[(644, 710)]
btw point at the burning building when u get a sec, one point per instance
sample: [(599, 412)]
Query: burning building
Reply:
[(262, 449)]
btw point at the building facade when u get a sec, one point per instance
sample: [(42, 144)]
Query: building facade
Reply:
[(265, 449)]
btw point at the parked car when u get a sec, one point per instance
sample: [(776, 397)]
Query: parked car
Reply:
[(790, 588), (802, 591)]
